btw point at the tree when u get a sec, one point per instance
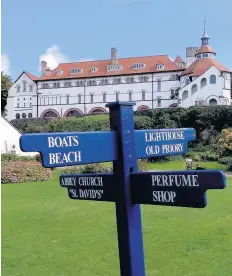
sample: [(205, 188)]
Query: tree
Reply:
[(6, 83), (226, 139)]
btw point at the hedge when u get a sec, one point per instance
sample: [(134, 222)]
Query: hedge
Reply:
[(213, 118)]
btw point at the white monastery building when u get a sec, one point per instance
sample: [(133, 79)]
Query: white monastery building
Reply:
[(79, 88)]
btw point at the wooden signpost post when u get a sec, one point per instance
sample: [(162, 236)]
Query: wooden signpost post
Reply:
[(125, 186)]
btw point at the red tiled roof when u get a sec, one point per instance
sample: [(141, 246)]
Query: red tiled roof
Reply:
[(178, 59), (32, 77), (200, 66), (101, 65), (205, 49)]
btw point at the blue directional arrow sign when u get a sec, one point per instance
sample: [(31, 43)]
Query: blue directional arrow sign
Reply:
[(175, 188), (163, 142), (71, 148), (95, 186)]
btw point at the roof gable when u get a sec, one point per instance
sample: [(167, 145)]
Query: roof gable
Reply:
[(200, 66)]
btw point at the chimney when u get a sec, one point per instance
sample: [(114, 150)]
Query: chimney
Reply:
[(113, 56), (44, 66), (190, 55), (47, 71)]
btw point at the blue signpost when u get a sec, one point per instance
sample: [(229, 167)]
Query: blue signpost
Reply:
[(125, 186)]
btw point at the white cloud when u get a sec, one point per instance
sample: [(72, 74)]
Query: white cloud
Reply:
[(85, 59), (5, 64), (53, 57)]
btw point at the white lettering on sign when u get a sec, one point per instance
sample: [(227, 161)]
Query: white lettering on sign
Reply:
[(68, 181), (164, 136), (175, 180), (171, 180), (60, 158), (166, 148), (164, 196), (86, 193), (90, 181), (59, 142)]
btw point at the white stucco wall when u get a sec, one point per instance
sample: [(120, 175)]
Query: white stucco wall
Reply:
[(56, 98), (10, 139), (219, 91)]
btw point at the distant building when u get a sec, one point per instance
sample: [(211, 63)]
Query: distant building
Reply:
[(10, 140), (79, 88)]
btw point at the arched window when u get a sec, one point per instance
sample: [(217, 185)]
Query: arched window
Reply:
[(130, 80), (159, 102), (18, 88), (130, 96), (47, 85), (44, 85), (65, 84), (143, 95), (17, 104), (58, 85), (29, 115), (30, 88), (91, 98), (172, 92), (17, 116), (24, 116), (194, 89), (30, 104), (50, 114), (24, 105), (117, 81), (24, 86), (79, 98), (212, 79), (104, 97), (117, 96), (203, 82), (187, 81), (104, 81), (69, 84), (213, 102), (159, 85), (54, 85), (185, 95), (67, 99)]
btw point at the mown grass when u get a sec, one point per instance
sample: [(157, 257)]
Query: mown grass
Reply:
[(46, 233), (180, 165)]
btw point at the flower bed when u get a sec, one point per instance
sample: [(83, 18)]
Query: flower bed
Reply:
[(24, 171)]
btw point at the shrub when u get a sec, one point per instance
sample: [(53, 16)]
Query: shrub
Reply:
[(15, 157), (143, 122), (99, 168), (142, 165), (195, 156), (226, 160), (24, 171)]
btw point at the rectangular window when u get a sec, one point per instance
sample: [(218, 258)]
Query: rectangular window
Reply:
[(116, 67)]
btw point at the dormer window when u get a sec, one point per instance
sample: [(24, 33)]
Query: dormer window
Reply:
[(75, 71), (59, 72), (115, 67), (93, 69), (138, 66), (160, 66)]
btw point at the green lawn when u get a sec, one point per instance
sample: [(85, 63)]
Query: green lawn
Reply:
[(46, 233), (180, 165)]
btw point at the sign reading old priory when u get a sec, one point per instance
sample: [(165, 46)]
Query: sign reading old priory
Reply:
[(125, 186), (161, 142)]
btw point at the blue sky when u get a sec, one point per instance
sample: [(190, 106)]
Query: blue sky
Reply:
[(74, 30)]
